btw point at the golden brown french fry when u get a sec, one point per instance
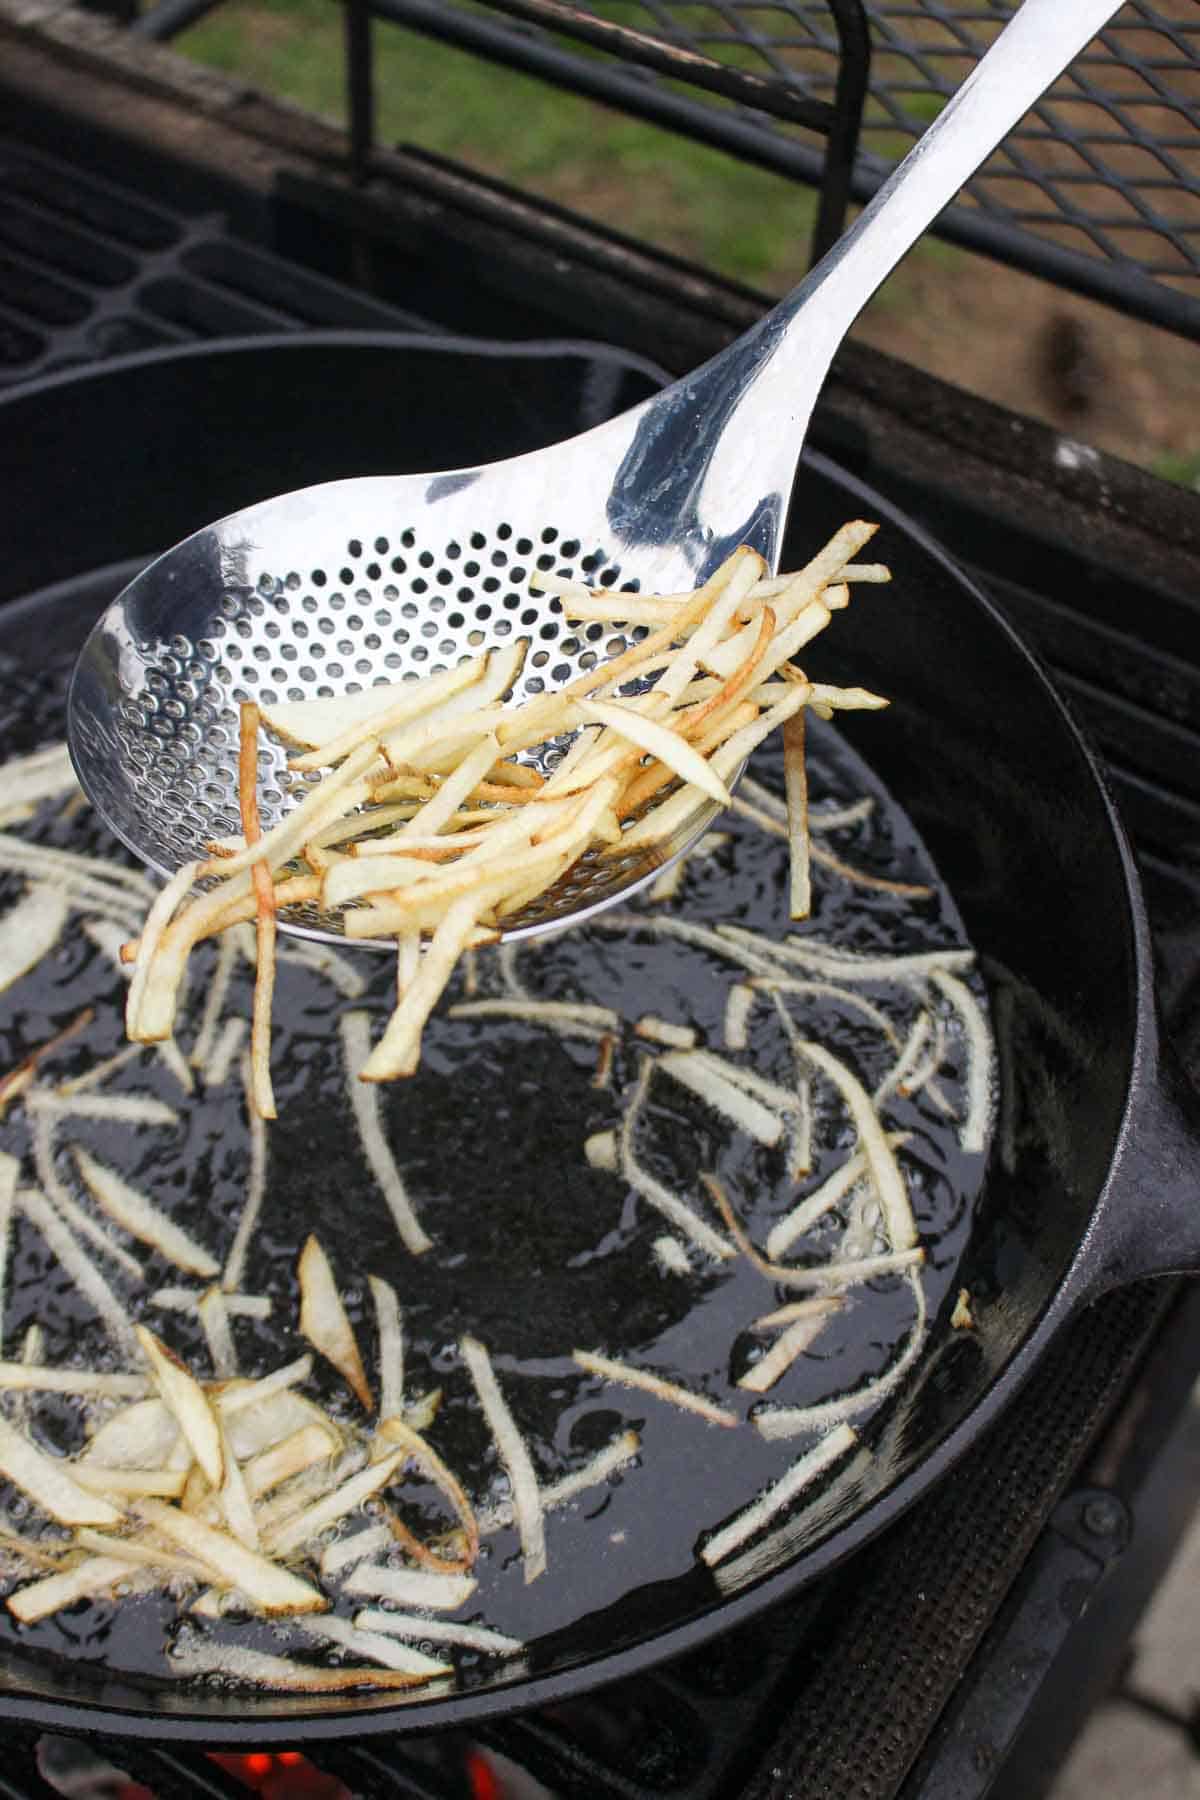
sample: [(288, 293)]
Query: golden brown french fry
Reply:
[(795, 777)]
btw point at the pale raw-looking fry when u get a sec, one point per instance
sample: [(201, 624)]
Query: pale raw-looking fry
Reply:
[(142, 1555), (256, 1188), (398, 1049), (794, 1341), (713, 679), (527, 1504), (368, 1644), (614, 1457), (137, 1215), (600, 1150), (153, 932), (213, 1313), (364, 1098), (724, 1095), (803, 1472), (98, 1073), (889, 1183), (677, 1211), (214, 1001), (257, 1668), (777, 985), (129, 1484), (650, 1383), (10, 1168), (979, 1057), (230, 1564), (909, 1058), (180, 1299), (324, 1323), (264, 896), (411, 1587), (42, 775), (183, 1395), (836, 1275), (29, 930), (391, 1347), (98, 1575), (739, 1004), (317, 724), (47, 1483), (416, 1449), (848, 965), (573, 1019), (289, 1536), (87, 881), (922, 1075), (600, 1467), (670, 1255), (663, 1031), (829, 1194), (114, 1109), (35, 1378), (141, 1436), (437, 1631), (337, 1557), (255, 1393), (290, 1456), (235, 1499), (67, 1251), (305, 1490), (793, 1421)]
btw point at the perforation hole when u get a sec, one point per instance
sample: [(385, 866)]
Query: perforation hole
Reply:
[(394, 608)]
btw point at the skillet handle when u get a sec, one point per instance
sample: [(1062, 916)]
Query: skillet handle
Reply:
[(1148, 1220)]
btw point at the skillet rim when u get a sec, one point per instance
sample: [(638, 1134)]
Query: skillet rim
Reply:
[(274, 1719)]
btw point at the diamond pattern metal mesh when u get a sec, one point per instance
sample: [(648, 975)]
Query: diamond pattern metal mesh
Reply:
[(1099, 188)]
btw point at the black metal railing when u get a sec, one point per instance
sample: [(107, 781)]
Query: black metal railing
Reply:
[(1098, 189)]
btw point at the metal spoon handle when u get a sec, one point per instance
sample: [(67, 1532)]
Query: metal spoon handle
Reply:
[(713, 457), (1037, 44)]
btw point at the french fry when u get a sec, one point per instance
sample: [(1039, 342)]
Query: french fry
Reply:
[(230, 1564), (183, 1395), (475, 836), (795, 778), (264, 895), (324, 1323), (47, 1483), (140, 1217)]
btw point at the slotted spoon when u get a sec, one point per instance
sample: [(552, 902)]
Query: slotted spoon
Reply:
[(354, 582)]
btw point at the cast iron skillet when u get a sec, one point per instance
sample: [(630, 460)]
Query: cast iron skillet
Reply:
[(99, 470)]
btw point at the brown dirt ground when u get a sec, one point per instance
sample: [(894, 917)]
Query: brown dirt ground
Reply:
[(1126, 387)]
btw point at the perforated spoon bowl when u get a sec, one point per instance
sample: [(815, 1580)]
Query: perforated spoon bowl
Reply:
[(354, 582)]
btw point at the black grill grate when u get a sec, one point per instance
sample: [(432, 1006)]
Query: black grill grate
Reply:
[(88, 269)]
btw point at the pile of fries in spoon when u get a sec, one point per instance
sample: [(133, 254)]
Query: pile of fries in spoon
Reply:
[(431, 824)]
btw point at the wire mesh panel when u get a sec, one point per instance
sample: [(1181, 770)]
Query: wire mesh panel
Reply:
[(1098, 189)]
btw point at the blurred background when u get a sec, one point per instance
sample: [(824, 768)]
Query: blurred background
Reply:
[(1107, 171)]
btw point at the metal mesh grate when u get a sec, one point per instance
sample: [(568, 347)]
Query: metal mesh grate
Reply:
[(1099, 188)]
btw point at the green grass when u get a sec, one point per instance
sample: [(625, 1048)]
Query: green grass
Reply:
[(1182, 467), (742, 222)]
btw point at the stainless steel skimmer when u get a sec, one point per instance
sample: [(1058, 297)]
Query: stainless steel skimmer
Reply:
[(355, 582)]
